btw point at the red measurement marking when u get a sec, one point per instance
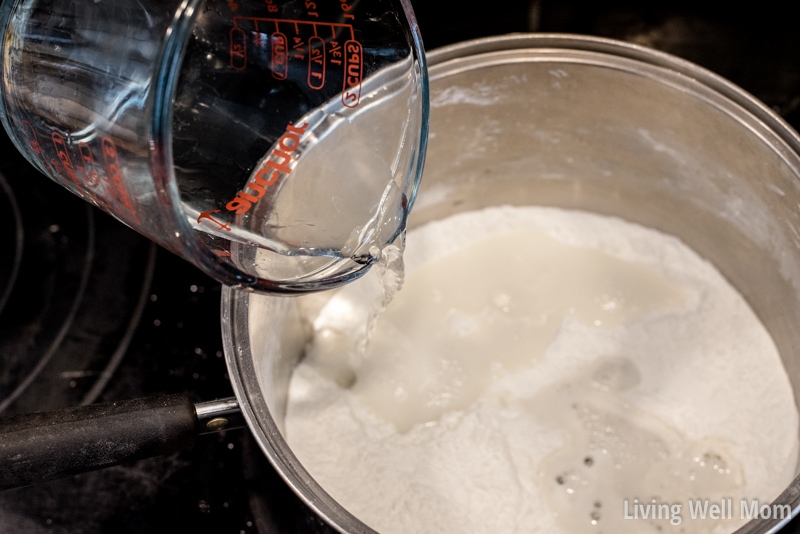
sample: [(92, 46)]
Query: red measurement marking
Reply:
[(336, 53), (30, 135), (310, 7), (347, 7), (222, 225), (280, 56), (63, 156), (284, 48), (91, 177), (238, 49), (353, 73), (299, 48), (316, 63), (114, 175), (54, 169)]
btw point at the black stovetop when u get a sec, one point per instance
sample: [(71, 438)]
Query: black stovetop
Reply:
[(98, 313)]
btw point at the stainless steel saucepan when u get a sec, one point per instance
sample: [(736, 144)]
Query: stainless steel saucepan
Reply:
[(581, 123)]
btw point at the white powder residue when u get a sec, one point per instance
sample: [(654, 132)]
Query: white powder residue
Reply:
[(540, 369), (478, 94)]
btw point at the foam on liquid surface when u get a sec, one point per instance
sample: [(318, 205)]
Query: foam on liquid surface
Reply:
[(539, 368)]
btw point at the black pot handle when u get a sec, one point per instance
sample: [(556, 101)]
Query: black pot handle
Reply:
[(36, 447)]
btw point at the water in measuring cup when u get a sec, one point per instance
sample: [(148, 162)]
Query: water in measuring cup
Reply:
[(328, 205), (293, 184), (340, 206)]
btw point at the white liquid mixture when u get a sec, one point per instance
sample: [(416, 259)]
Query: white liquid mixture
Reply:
[(543, 371)]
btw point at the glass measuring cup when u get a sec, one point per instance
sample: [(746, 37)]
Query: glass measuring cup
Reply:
[(276, 144)]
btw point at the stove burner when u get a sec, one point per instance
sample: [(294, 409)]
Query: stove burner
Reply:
[(22, 366), (11, 237), (63, 326)]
